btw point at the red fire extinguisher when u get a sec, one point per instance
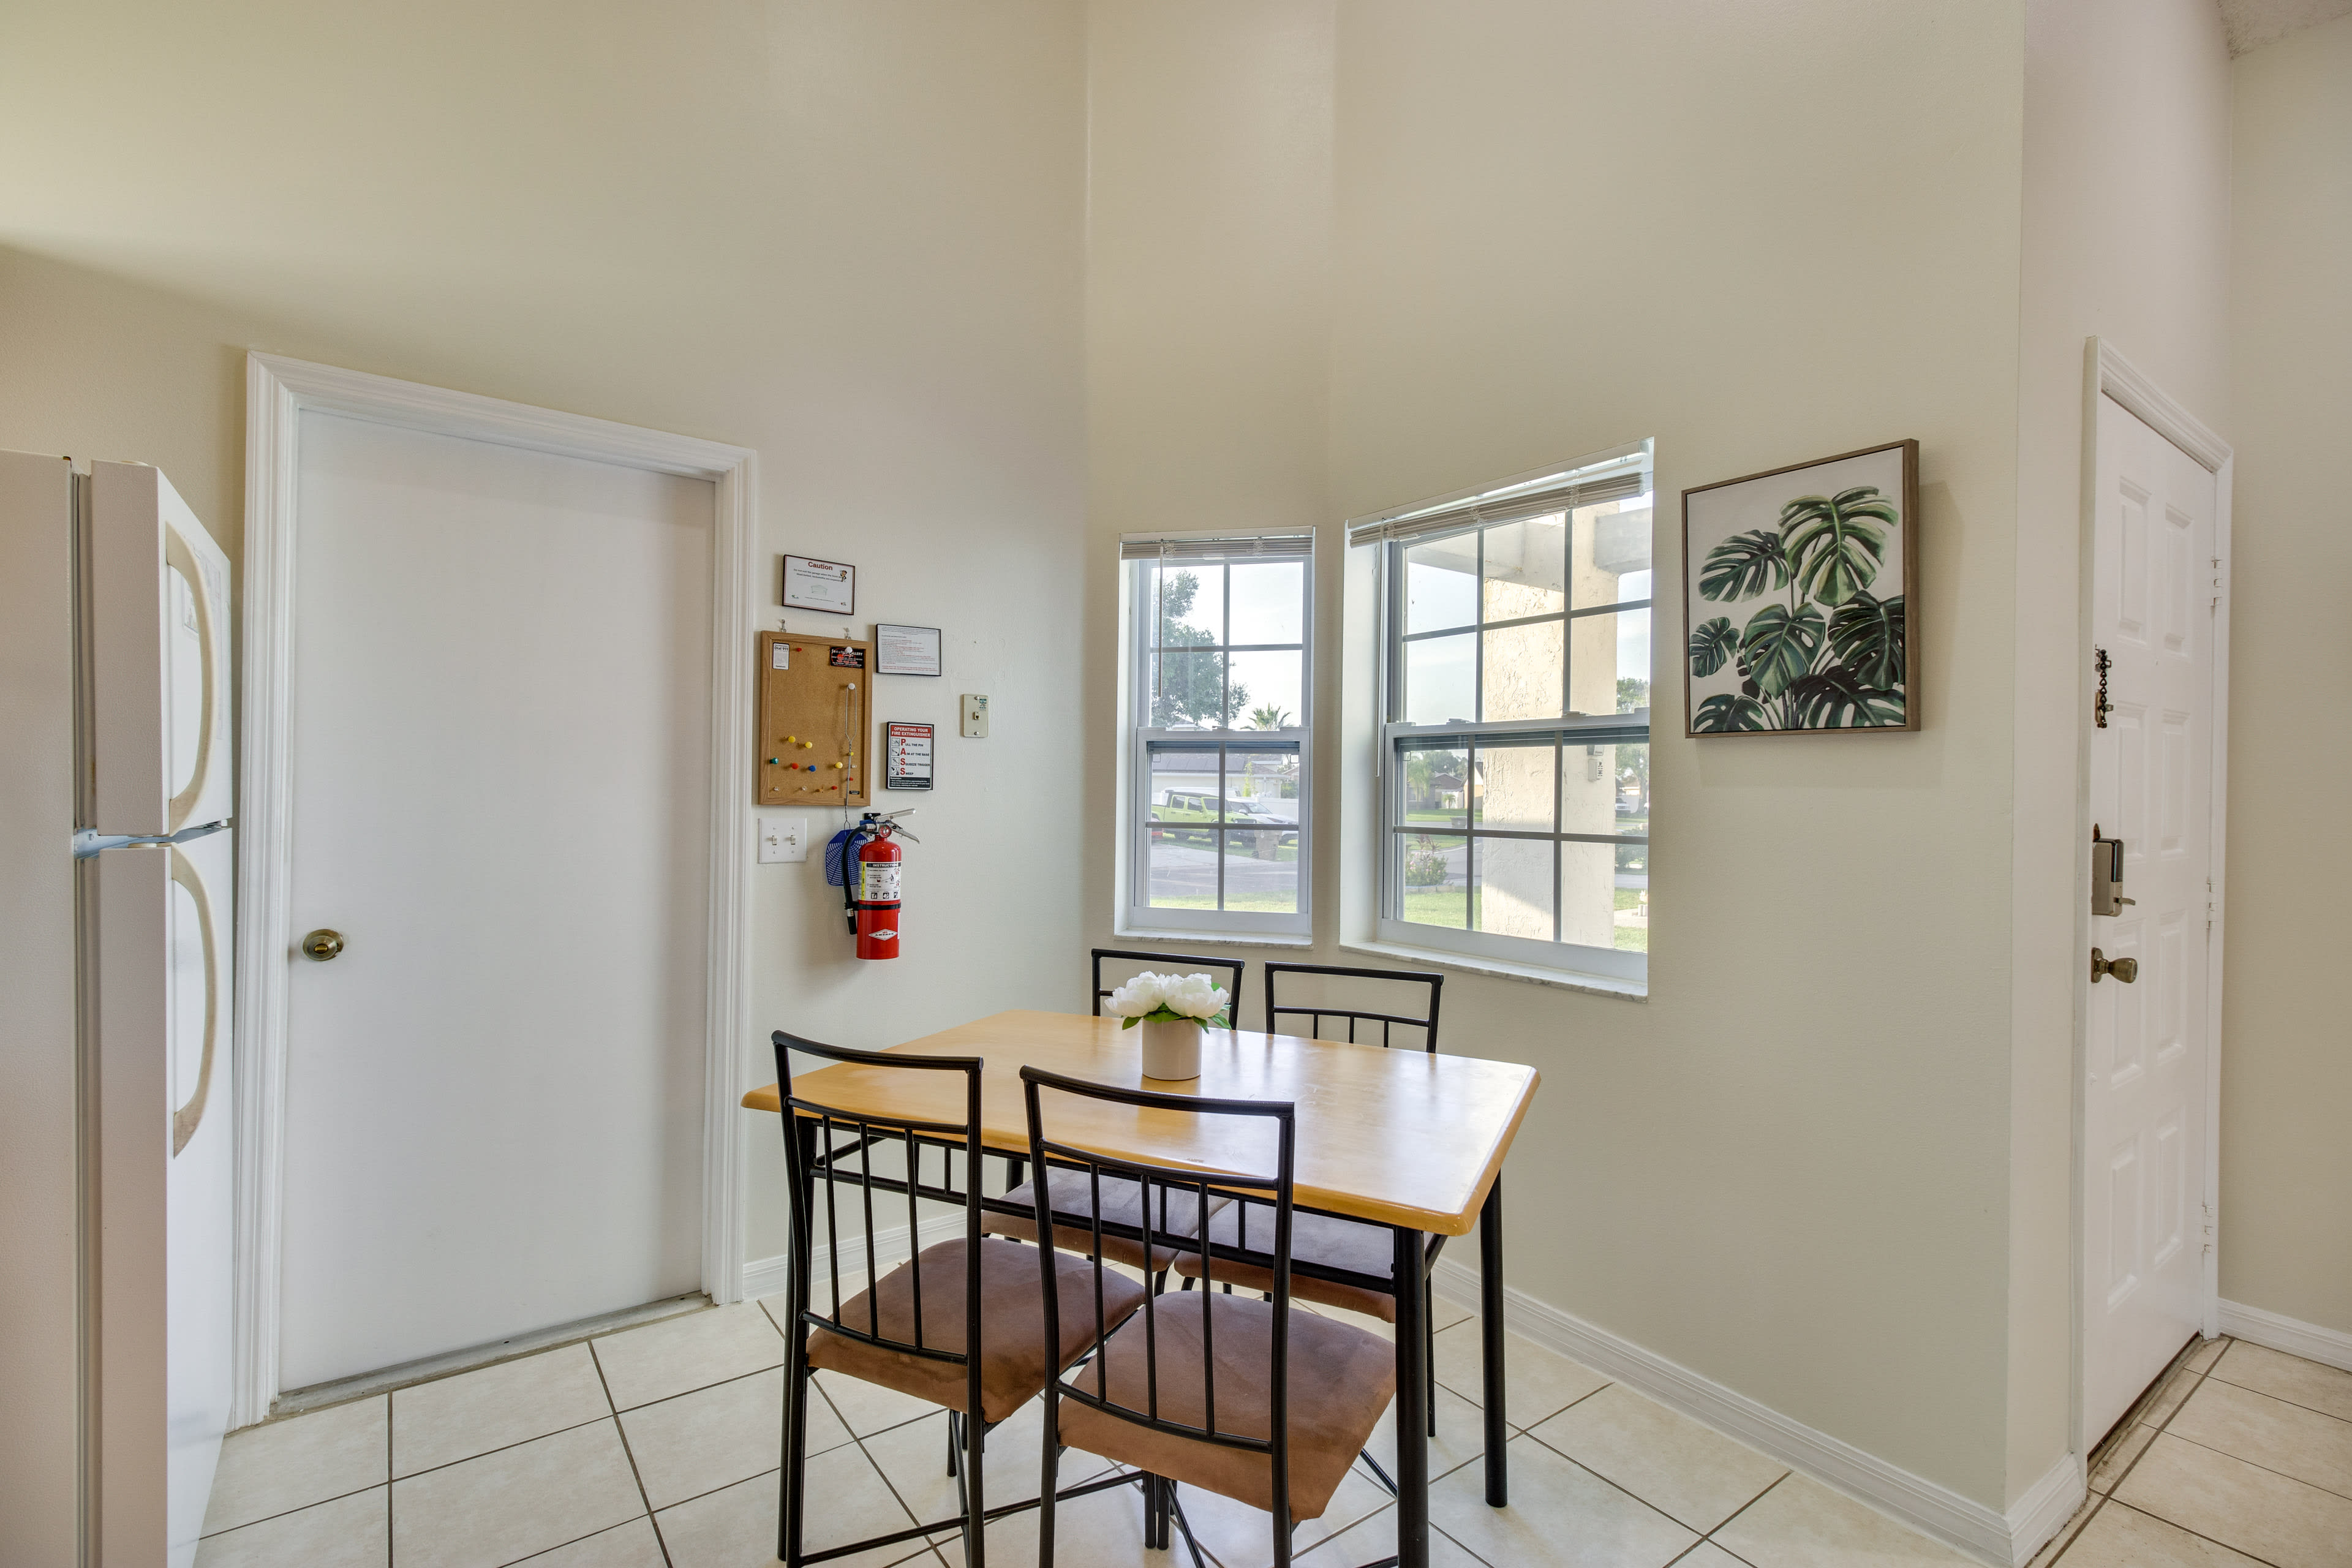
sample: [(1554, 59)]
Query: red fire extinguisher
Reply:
[(877, 891)]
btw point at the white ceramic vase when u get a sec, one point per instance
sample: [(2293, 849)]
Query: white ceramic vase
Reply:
[(1171, 1048)]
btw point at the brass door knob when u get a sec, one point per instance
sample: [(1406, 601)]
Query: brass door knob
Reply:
[(2124, 969), (323, 944)]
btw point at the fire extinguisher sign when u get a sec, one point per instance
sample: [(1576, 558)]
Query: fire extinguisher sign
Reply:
[(907, 756)]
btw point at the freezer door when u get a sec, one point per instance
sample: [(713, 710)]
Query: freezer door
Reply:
[(161, 1046), (39, 1094), (157, 615)]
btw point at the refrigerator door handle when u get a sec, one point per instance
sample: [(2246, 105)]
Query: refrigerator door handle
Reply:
[(176, 555), (185, 1120)]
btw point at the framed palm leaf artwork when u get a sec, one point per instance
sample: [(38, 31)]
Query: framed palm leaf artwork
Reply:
[(1799, 584)]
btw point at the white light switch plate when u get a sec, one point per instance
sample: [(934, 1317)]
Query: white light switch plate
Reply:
[(783, 838), (975, 717)]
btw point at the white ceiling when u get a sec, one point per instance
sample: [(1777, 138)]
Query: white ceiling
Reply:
[(2251, 24)]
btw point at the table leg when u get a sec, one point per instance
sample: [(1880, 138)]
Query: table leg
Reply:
[(1411, 1401), (1490, 1333)]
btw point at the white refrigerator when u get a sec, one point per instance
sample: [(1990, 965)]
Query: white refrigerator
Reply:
[(117, 1117)]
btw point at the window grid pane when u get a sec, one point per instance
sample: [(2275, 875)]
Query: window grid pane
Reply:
[(1479, 845)]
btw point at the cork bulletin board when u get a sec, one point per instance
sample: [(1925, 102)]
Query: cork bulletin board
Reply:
[(816, 711)]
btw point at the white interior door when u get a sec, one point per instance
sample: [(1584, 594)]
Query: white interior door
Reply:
[(499, 746), (2152, 597)]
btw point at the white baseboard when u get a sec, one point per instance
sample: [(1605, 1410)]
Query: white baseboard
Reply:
[(2004, 1540), (2045, 1508), (767, 1276), (2329, 1347)]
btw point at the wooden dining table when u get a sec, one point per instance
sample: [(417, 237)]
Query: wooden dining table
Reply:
[(1405, 1139)]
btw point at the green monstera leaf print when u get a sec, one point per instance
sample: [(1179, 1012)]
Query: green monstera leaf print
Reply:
[(1831, 701), (1778, 646), (1744, 565), (1866, 639), (1726, 713), (1835, 544), (1712, 644)]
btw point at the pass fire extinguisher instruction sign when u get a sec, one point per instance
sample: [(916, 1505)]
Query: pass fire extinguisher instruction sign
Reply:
[(906, 756)]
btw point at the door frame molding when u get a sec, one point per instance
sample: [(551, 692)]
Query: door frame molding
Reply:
[(278, 392), (2106, 373)]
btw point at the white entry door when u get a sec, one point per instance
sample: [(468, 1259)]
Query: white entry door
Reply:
[(498, 740), (2154, 591)]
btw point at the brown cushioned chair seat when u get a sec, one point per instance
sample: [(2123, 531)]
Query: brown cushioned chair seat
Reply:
[(1348, 1244), (1013, 1369), (1122, 1204), (1341, 1378)]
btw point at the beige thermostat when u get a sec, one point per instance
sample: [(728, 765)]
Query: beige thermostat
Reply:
[(975, 717)]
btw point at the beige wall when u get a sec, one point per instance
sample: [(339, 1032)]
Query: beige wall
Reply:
[(2286, 1071), (846, 234), (2127, 203), (1756, 237)]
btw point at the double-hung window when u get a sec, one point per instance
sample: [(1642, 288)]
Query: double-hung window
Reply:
[(1219, 628), (1515, 754)]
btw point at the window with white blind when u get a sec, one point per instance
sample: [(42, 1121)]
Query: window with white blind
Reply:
[(1220, 627), (1514, 742)]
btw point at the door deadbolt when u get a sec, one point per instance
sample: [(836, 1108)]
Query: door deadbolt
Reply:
[(2124, 969), (2107, 875), (323, 944)]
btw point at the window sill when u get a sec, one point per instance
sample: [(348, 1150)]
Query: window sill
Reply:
[(1217, 939), (1560, 979)]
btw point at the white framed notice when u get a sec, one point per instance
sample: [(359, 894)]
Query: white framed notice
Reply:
[(906, 755), (830, 586), (906, 650)]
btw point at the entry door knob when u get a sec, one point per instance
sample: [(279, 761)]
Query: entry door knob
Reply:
[(2124, 969), (323, 944)]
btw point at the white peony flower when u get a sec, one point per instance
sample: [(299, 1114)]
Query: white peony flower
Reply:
[(1195, 997), (1185, 995), (1139, 995)]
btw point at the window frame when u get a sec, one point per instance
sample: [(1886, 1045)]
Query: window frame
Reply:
[(1137, 913), (1396, 735)]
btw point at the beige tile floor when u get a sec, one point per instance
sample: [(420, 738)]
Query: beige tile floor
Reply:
[(656, 1448), (2243, 1458)]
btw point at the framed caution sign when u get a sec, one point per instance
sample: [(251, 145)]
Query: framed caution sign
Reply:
[(906, 755)]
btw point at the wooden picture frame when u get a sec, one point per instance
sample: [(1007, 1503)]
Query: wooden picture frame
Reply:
[(1787, 626)]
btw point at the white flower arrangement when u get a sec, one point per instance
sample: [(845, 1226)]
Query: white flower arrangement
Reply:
[(1172, 996)]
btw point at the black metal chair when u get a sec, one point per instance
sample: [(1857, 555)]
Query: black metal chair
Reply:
[(984, 1344), (1238, 1397), (1234, 970), (1315, 1013), (1073, 1233), (1342, 1245)]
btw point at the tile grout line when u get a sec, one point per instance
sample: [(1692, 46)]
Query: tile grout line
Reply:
[(289, 1512), (2265, 1561), (876, 1465), (2266, 1393), (628, 1453), (389, 1552), (2108, 1496), (2250, 1464), (1710, 1536), (521, 1562), (1703, 1534)]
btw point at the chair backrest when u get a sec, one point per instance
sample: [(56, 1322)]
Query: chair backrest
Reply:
[(1231, 969), (1181, 1193), (826, 1146), (1316, 1012)]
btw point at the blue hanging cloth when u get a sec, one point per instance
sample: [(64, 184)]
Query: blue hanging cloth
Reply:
[(840, 855), (837, 852)]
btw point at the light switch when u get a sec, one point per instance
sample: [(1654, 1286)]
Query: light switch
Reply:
[(783, 838), (975, 717)]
